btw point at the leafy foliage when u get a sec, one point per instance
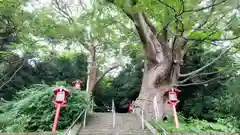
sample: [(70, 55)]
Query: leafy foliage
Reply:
[(33, 110), (58, 68), (201, 101), (228, 103), (22, 31)]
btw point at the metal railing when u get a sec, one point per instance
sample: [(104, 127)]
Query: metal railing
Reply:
[(156, 112), (142, 113), (143, 120), (114, 114), (79, 116)]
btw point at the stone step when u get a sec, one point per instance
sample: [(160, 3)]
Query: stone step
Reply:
[(99, 120), (97, 133), (112, 132), (101, 124), (128, 121)]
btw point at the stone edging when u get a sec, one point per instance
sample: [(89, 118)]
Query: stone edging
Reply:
[(30, 133), (150, 128)]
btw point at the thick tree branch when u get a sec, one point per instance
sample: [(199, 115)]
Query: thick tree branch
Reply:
[(214, 39), (145, 33), (197, 83), (202, 74), (207, 65), (149, 23), (105, 72)]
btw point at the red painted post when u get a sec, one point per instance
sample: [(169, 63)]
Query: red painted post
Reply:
[(60, 101), (55, 123)]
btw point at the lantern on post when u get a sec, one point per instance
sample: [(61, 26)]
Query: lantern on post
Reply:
[(173, 100), (78, 84), (60, 101), (130, 107)]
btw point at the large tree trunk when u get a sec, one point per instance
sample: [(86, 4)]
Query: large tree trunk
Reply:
[(153, 84), (162, 65)]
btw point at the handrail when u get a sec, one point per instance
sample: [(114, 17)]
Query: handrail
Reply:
[(142, 119), (141, 111), (114, 113), (79, 116), (74, 122)]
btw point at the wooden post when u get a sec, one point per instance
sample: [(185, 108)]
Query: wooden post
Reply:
[(175, 116)]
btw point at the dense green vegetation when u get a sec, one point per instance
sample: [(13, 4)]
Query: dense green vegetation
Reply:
[(32, 110), (40, 46), (195, 125)]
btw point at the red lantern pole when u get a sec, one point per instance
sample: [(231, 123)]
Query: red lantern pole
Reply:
[(60, 101), (173, 101), (175, 112), (55, 123), (175, 116)]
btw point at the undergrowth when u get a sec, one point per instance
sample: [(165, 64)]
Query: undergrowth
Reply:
[(33, 110), (195, 125)]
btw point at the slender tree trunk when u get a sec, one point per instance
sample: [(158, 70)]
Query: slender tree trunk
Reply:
[(92, 77)]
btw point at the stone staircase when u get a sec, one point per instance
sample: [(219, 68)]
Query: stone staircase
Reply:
[(101, 124)]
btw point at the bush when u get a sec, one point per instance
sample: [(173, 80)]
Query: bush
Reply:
[(33, 110)]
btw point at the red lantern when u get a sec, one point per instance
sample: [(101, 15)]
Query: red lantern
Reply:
[(172, 94), (130, 107), (78, 84), (61, 95), (60, 101)]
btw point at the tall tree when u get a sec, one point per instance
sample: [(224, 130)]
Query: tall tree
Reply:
[(167, 30), (92, 30)]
